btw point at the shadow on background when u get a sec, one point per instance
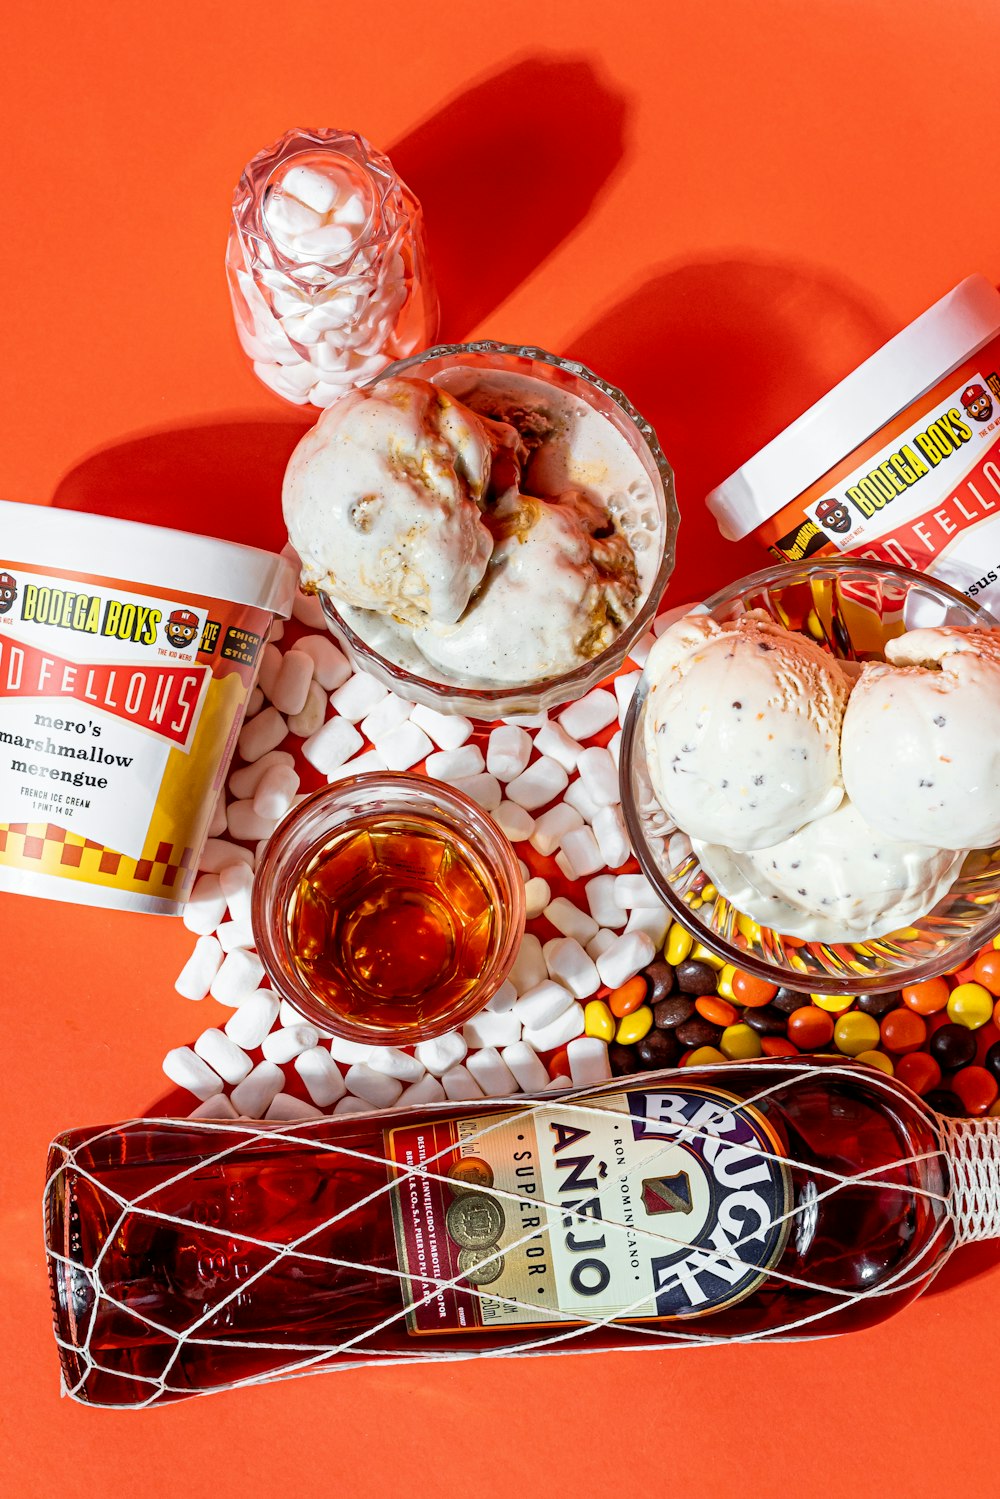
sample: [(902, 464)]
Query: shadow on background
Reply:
[(505, 176), (720, 356)]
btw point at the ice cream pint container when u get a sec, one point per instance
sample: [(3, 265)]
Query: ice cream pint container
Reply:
[(127, 656), (899, 463)]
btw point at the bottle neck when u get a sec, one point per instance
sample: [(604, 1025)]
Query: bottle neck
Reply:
[(973, 1148)]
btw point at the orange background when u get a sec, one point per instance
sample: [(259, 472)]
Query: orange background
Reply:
[(722, 207)]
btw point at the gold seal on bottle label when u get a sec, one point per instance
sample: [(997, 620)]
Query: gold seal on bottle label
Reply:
[(475, 1221)]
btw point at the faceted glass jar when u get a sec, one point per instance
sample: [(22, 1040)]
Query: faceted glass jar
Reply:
[(326, 294), (388, 909), (852, 608), (363, 634)]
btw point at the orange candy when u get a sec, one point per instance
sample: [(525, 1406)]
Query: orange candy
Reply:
[(559, 1063), (919, 1071), (751, 991), (716, 1010), (628, 997), (986, 970), (777, 1046), (976, 1087), (903, 1030), (810, 1028), (929, 997)]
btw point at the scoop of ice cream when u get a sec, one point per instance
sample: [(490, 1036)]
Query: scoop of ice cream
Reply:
[(559, 586), (383, 497), (921, 739), (742, 729), (836, 880)]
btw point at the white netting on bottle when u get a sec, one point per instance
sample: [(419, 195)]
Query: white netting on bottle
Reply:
[(809, 1305), (974, 1156)]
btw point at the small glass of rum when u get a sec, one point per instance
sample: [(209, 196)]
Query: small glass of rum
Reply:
[(388, 909)]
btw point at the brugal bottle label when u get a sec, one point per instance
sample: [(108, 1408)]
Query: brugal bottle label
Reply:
[(632, 1206)]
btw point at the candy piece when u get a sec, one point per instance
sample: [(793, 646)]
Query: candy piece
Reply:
[(557, 1032), (528, 968), (654, 923), (679, 944), (250, 1023), (660, 978), (928, 997), (237, 886), (288, 1043), (570, 965), (542, 782), (552, 740), (767, 1021), (284, 1107), (634, 1026), (658, 1049), (376, 1088), (331, 667), (348, 1052), (600, 942), (196, 977), (275, 793), (205, 906), (578, 797), (630, 995), (704, 1056), (809, 1028), (626, 955), (244, 782), (353, 1105), (612, 839), (216, 1107), (357, 697), (710, 1007), (403, 746), (991, 1060), (234, 934), (386, 716), (552, 827), (580, 847), (632, 890), (262, 733), (977, 1089), (674, 1011), (508, 752), (599, 774), (270, 669), (396, 1063), (537, 895), (695, 977), (724, 983), (491, 1073), (446, 765), (459, 1084), (902, 1030), (970, 1005), (448, 730), (740, 1043), (238, 978), (588, 1061), (588, 715), (359, 765), (600, 893), (188, 1071), (615, 748), (442, 1052), (218, 852), (986, 970), (698, 1032), (320, 1075), (310, 720), (334, 743), (255, 1094), (515, 821), (953, 1046), (834, 1004), (598, 1020), (316, 190), (543, 1004), (291, 686), (217, 823), (751, 991), (484, 790), (625, 686), (875, 1059), (570, 920), (245, 824), (223, 1055), (504, 1000), (525, 1066), (426, 1090)]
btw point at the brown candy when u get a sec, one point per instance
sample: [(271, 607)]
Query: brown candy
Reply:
[(698, 1032), (658, 1049), (878, 1005), (660, 978), (766, 1020), (673, 1011), (623, 1060), (788, 1001), (694, 977)]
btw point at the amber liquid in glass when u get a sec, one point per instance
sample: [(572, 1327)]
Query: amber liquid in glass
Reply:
[(390, 923)]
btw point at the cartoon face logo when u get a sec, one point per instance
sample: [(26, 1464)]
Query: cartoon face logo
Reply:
[(181, 628), (977, 403), (8, 592), (834, 515)]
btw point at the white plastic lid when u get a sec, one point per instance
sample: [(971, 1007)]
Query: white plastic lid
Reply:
[(925, 352), (173, 561)]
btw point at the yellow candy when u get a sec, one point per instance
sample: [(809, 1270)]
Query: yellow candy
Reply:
[(813, 625), (679, 944), (739, 1043), (724, 983), (876, 1059), (797, 962), (856, 1033), (598, 1020), (970, 1005), (833, 1004), (994, 1112), (701, 954), (703, 1056), (633, 1027), (708, 892), (903, 934), (750, 929)]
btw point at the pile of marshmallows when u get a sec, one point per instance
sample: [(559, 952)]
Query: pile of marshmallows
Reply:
[(543, 787)]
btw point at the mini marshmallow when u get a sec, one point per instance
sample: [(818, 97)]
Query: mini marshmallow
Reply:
[(570, 966), (565, 1028), (285, 1045), (237, 886), (258, 1090), (537, 895), (312, 716), (590, 714), (581, 848), (508, 752), (260, 734), (352, 1105), (625, 686), (314, 189), (250, 1023), (633, 890), (678, 849), (625, 957), (446, 765), (441, 1053), (599, 774), (320, 1076), (357, 697), (238, 978), (285, 1107), (528, 968), (655, 923), (528, 1071), (206, 905), (395, 1063), (543, 1004), (504, 999), (427, 1090), (243, 783), (217, 824), (601, 901), (484, 790), (615, 748), (579, 798), (491, 1073), (448, 730), (245, 824), (565, 866), (558, 1084), (600, 943), (459, 1084), (403, 746), (588, 1061), (331, 745), (515, 821), (223, 1055), (552, 740), (331, 667), (270, 669), (570, 920), (234, 934), (276, 792), (277, 631), (216, 1107), (612, 839), (199, 972), (360, 765), (541, 783), (551, 828), (348, 1052), (376, 1088), (292, 683), (255, 702), (308, 610), (188, 1071), (491, 1029), (385, 716)]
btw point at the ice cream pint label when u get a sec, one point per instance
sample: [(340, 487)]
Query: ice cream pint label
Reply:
[(120, 706), (561, 1214)]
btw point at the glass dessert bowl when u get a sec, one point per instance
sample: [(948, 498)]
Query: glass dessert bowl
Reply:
[(375, 643), (850, 609)]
